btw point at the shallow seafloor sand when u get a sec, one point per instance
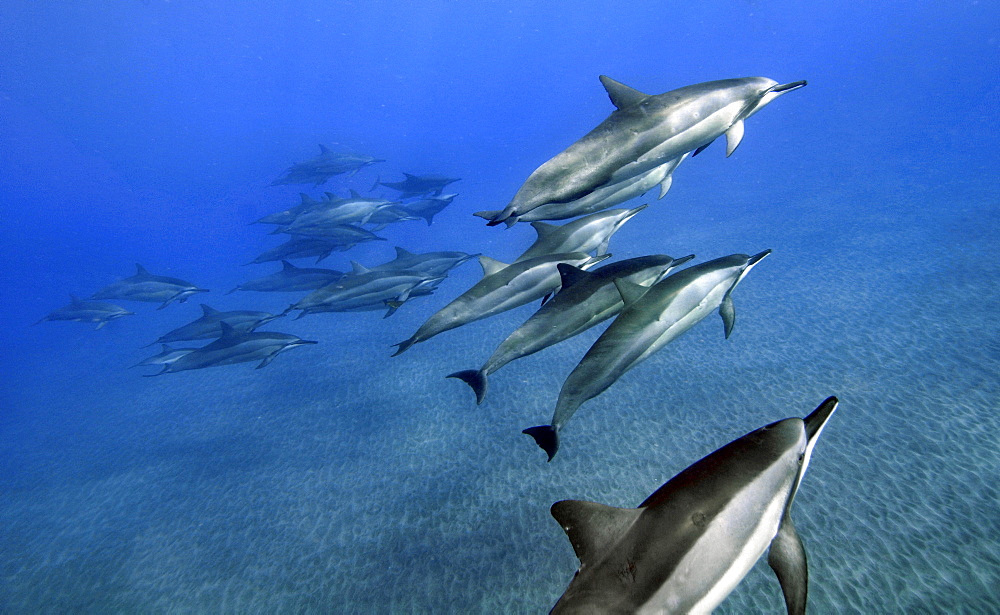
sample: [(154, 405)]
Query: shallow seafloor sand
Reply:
[(338, 480)]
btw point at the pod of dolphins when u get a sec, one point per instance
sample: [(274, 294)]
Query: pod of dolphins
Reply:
[(687, 546)]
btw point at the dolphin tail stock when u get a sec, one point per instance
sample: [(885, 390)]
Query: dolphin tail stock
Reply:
[(477, 381), (229, 292), (545, 437)]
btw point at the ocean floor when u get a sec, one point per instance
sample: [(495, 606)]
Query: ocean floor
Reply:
[(340, 480)]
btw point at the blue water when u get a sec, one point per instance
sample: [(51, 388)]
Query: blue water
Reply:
[(339, 479)]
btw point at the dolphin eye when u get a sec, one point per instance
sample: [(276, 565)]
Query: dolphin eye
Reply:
[(802, 457)]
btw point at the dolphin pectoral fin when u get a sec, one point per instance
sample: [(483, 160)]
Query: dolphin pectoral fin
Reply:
[(476, 379), (787, 557), (603, 248), (665, 186), (592, 528), (545, 299), (267, 360), (701, 149), (733, 137), (545, 437), (728, 312), (100, 325), (393, 306)]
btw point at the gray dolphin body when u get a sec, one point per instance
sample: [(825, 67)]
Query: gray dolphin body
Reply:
[(604, 197), (316, 220), (691, 542), (144, 286), (287, 216), (431, 263), (292, 279), (503, 287), (321, 168), (419, 185), (586, 234), (235, 347), (428, 207), (643, 133), (368, 289), (585, 300), (210, 324), (650, 319), (303, 246), (166, 356), (79, 310)]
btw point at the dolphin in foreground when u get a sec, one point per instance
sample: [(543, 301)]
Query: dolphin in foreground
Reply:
[(604, 197), (650, 319), (144, 286), (235, 347), (691, 542), (503, 287), (587, 298), (584, 234), (643, 133)]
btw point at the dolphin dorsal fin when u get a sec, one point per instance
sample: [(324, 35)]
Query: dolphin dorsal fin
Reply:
[(355, 194), (140, 270), (544, 229), (620, 94), (490, 265), (630, 291), (286, 266), (323, 149), (570, 275), (593, 528), (207, 310), (227, 330), (358, 269), (306, 199), (408, 176), (403, 252)]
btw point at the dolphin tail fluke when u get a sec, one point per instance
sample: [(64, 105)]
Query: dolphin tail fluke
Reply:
[(476, 379), (489, 214), (402, 346), (546, 437)]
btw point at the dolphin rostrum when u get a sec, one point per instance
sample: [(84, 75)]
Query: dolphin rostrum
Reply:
[(650, 319), (503, 287), (585, 300), (643, 133), (691, 542)]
